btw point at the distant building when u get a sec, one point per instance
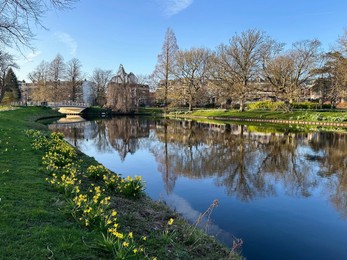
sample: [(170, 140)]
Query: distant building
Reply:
[(88, 94), (49, 91), (125, 94)]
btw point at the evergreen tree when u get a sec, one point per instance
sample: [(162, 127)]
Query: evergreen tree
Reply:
[(12, 92)]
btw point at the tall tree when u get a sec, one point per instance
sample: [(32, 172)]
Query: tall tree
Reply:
[(40, 77), (342, 42), (289, 72), (332, 80), (17, 18), (192, 72), (57, 70), (6, 62), (74, 77), (100, 78), (12, 92), (240, 62), (164, 70)]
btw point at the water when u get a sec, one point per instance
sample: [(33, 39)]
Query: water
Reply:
[(282, 191)]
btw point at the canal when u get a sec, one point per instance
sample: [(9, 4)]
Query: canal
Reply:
[(282, 190)]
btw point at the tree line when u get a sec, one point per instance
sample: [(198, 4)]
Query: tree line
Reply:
[(16, 21), (231, 71), (57, 80), (193, 77)]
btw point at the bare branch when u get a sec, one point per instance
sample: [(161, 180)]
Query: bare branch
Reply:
[(17, 16)]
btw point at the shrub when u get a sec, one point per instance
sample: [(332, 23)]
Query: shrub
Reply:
[(310, 105), (266, 105)]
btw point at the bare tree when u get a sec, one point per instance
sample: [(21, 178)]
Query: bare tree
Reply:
[(17, 17), (39, 77), (223, 79), (74, 77), (192, 72), (342, 42), (144, 79), (100, 78), (163, 72), (240, 62), (289, 72), (332, 77), (6, 62), (57, 71)]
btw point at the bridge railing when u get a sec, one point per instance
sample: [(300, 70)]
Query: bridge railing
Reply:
[(51, 104), (68, 104)]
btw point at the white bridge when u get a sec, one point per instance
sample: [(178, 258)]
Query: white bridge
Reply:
[(64, 107), (68, 107)]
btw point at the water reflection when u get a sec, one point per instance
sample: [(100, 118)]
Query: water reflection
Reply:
[(247, 163)]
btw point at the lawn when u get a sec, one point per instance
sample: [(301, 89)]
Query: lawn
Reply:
[(302, 115)]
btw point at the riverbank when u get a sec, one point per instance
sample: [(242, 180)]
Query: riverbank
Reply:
[(35, 221), (303, 117)]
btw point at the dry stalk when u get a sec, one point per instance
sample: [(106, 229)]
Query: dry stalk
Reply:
[(207, 213)]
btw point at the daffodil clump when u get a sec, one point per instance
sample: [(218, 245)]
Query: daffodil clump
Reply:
[(65, 183), (96, 172), (131, 188), (90, 207), (54, 161), (58, 152), (122, 245), (111, 180)]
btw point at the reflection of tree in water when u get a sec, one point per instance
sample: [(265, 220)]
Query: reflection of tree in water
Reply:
[(174, 155), (247, 164), (333, 162), (124, 134), (164, 157), (74, 132), (198, 151), (238, 172), (78, 133), (284, 163), (99, 137)]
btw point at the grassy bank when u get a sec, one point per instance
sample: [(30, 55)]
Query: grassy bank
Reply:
[(308, 115), (36, 220)]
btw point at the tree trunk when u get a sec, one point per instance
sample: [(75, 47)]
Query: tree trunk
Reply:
[(190, 103), (242, 105), (165, 92), (288, 105)]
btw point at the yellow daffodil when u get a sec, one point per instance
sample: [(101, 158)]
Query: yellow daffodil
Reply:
[(170, 222)]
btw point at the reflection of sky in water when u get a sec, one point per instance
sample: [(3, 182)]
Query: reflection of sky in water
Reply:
[(286, 215)]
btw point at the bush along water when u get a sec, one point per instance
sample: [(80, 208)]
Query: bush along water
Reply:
[(88, 202)]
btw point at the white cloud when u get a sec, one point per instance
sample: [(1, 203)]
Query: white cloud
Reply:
[(28, 58), (68, 41), (32, 55), (172, 7), (183, 207)]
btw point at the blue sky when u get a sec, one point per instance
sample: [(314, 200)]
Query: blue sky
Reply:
[(106, 33)]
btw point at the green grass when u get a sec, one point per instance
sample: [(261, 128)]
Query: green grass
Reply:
[(311, 116), (32, 227), (151, 110), (35, 224)]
